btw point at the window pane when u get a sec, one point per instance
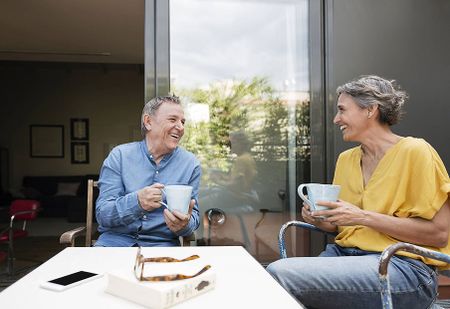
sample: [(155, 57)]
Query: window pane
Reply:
[(242, 69)]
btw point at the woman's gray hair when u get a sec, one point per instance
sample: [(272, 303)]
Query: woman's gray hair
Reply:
[(369, 90), (153, 105)]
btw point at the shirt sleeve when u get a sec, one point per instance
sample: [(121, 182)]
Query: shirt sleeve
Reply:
[(114, 207), (428, 186), (195, 216)]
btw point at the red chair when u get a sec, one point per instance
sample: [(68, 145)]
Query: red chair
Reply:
[(20, 210)]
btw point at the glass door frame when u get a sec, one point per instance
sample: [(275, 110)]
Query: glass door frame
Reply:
[(157, 48), (157, 82)]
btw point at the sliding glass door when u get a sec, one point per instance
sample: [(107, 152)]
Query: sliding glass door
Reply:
[(241, 67)]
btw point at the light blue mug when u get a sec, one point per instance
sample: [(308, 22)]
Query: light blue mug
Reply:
[(318, 192)]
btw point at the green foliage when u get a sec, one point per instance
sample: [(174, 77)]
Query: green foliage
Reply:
[(252, 106)]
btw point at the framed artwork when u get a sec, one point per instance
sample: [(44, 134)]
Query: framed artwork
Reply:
[(79, 152), (46, 141), (79, 128)]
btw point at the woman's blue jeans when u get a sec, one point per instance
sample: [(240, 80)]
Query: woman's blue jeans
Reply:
[(348, 278)]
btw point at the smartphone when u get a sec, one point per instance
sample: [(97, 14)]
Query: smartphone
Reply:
[(69, 281)]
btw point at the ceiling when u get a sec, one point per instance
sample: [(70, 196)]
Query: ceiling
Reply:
[(92, 31)]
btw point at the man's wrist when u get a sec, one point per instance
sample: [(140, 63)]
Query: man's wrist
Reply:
[(139, 200), (139, 203), (184, 230)]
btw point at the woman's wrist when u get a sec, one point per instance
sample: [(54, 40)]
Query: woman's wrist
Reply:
[(367, 218)]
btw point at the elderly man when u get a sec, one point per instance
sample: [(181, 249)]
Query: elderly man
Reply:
[(128, 208)]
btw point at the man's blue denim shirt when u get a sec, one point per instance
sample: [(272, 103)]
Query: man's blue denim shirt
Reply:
[(126, 170)]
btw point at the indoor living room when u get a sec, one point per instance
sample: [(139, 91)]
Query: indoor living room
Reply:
[(71, 91)]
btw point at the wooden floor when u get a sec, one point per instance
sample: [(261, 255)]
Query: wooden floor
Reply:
[(444, 287), (41, 244), (30, 252)]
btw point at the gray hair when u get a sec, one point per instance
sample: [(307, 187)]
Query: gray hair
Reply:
[(372, 90), (153, 105)]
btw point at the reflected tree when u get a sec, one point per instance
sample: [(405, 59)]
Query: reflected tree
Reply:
[(253, 106)]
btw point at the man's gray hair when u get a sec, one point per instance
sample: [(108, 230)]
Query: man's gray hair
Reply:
[(369, 90), (153, 105)]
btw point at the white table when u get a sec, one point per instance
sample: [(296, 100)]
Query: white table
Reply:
[(241, 281)]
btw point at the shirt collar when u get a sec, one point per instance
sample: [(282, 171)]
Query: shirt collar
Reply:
[(147, 153)]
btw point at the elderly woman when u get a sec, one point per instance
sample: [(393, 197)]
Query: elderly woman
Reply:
[(393, 188)]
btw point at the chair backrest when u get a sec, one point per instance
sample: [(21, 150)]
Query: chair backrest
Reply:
[(90, 210), (31, 206), (185, 241)]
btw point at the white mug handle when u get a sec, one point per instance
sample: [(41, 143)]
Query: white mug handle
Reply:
[(161, 202), (302, 196)]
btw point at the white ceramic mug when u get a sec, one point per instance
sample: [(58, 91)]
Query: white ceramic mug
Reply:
[(318, 192), (178, 197)]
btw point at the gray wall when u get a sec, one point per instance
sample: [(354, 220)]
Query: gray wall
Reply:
[(406, 40)]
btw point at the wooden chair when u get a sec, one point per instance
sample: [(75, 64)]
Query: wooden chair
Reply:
[(68, 238)]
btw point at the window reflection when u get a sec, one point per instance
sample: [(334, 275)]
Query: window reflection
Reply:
[(242, 70)]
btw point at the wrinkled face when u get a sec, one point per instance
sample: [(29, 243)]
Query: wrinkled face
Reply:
[(166, 127), (351, 119)]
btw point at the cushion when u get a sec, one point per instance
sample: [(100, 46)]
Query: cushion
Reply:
[(67, 188)]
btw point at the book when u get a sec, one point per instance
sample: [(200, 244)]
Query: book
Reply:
[(159, 294)]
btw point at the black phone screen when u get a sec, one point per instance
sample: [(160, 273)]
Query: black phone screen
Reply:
[(72, 278)]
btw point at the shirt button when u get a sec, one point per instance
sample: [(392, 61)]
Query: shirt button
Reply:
[(144, 217), (157, 172)]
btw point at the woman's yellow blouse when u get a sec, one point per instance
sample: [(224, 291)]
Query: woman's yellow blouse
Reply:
[(409, 181)]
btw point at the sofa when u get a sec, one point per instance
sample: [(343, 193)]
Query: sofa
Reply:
[(60, 196)]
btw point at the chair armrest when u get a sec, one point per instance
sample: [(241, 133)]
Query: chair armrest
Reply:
[(385, 257), (186, 240), (301, 224), (68, 238), (20, 213)]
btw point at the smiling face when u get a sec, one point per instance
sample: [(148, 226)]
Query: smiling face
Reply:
[(352, 120), (165, 128)]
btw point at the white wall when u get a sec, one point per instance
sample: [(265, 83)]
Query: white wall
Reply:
[(111, 96)]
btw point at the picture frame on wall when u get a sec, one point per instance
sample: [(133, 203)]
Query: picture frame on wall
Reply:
[(46, 141), (79, 128), (79, 152)]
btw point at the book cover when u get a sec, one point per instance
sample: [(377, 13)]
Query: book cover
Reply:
[(160, 294)]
